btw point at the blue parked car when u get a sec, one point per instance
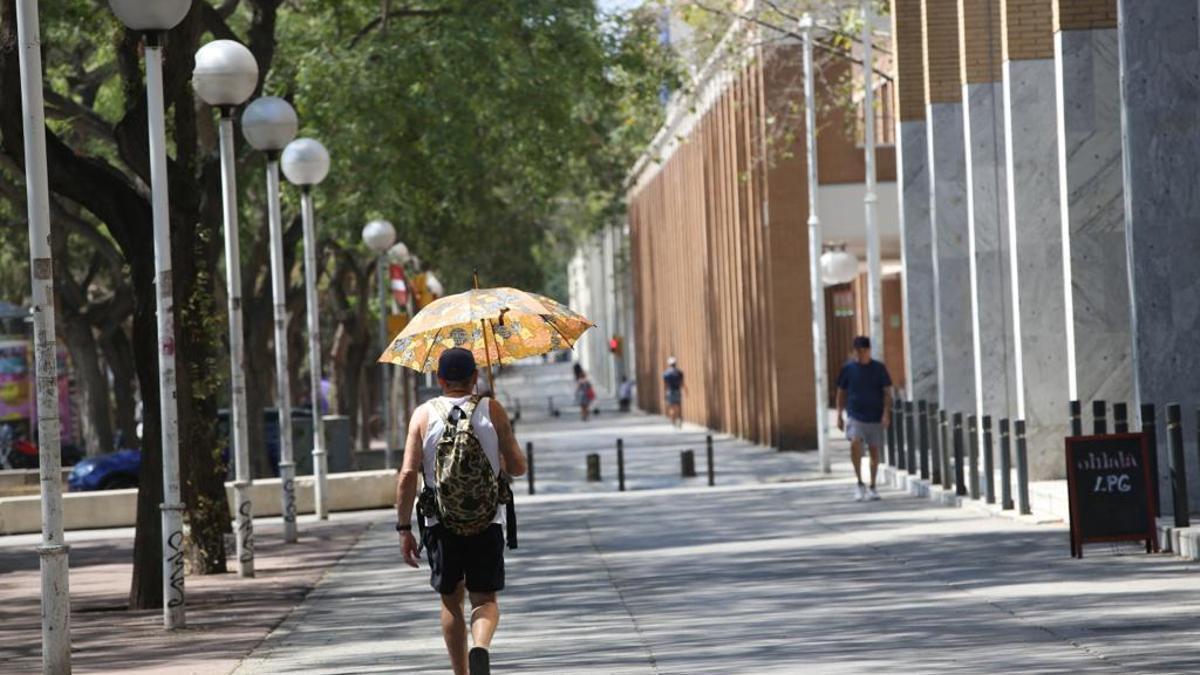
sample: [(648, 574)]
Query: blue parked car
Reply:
[(114, 471)]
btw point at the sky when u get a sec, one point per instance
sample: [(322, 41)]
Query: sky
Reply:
[(610, 5)]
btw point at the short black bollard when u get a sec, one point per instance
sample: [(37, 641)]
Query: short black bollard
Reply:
[(687, 464), (593, 468), (898, 422), (1120, 418), (947, 450), (1075, 417), (516, 416), (712, 476), (989, 462), (891, 442), (935, 447), (910, 434), (1099, 417), (620, 465), (1150, 429), (529, 467), (1179, 489), (1022, 471), (923, 437), (960, 479), (1006, 499), (973, 455)]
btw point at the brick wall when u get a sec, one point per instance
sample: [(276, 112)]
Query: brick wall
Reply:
[(910, 59), (943, 75), (1084, 14), (1027, 30), (979, 40)]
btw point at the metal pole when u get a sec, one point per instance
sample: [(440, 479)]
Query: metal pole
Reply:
[(53, 551), (910, 436), (283, 387), (816, 287), (1099, 417), (923, 437), (898, 422), (320, 462), (712, 475), (935, 448), (1179, 486), (947, 450), (1075, 417), (529, 458), (237, 353), (1022, 471), (973, 456), (989, 462), (1006, 501), (385, 374), (172, 506), (960, 485), (621, 465), (1120, 418), (891, 439), (874, 284), (1150, 429)]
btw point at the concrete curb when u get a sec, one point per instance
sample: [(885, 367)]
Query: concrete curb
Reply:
[(918, 487)]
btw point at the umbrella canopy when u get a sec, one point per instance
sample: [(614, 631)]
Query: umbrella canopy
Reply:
[(499, 325)]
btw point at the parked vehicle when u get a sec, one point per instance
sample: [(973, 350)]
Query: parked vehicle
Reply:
[(114, 471)]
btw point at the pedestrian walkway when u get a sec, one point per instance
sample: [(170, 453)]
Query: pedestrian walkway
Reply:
[(772, 571)]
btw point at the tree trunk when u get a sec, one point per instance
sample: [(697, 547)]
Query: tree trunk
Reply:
[(118, 354), (96, 418)]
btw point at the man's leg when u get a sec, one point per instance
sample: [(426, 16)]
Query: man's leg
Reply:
[(856, 458), (454, 630), (874, 449), (485, 617)]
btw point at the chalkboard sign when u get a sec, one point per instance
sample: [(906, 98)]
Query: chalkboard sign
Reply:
[(1110, 487)]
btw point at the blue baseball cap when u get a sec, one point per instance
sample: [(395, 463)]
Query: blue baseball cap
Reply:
[(456, 365)]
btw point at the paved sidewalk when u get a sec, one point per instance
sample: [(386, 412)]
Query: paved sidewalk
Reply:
[(753, 576)]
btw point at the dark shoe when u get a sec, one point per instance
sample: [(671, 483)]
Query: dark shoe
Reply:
[(479, 661)]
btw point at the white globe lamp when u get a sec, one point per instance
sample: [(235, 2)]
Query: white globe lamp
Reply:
[(379, 235), (305, 162), (269, 124), (226, 73), (150, 15), (838, 267)]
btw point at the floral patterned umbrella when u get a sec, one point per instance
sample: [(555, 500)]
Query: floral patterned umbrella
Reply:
[(500, 325)]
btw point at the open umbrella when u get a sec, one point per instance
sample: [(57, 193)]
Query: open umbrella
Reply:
[(499, 325)]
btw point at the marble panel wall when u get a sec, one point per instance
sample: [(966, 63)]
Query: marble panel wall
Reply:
[(1160, 102), (995, 379), (1036, 260), (951, 257), (1093, 215), (917, 258)]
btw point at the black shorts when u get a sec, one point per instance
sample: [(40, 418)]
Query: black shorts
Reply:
[(479, 559)]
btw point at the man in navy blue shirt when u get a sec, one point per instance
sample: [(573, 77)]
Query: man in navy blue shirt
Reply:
[(864, 394)]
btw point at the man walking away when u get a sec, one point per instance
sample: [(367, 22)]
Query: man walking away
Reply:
[(673, 384), (462, 446), (865, 394)]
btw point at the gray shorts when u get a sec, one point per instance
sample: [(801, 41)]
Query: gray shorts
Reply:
[(870, 433)]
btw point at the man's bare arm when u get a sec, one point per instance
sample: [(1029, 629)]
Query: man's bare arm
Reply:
[(841, 401), (406, 482), (887, 406), (512, 459)]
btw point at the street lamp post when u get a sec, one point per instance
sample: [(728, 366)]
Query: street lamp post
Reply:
[(269, 124), (226, 75), (814, 249), (306, 163), (154, 19), (874, 283), (399, 254), (379, 235)]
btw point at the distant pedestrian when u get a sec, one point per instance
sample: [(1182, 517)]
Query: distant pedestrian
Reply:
[(585, 394), (674, 386), (864, 392), (625, 394), (462, 446)]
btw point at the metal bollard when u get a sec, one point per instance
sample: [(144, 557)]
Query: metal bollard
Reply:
[(935, 447), (1150, 429), (891, 440), (973, 455), (1120, 418), (960, 479), (947, 450), (687, 464), (1022, 471), (529, 462), (593, 468), (1099, 417), (911, 435), (1075, 417), (1006, 500), (898, 422), (712, 477), (923, 437), (1179, 490), (620, 465), (989, 462)]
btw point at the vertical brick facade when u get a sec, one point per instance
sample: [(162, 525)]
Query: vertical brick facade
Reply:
[(979, 40), (910, 58), (1084, 14), (1027, 30), (943, 73)]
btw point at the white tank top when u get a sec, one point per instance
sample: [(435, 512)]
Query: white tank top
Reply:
[(485, 431)]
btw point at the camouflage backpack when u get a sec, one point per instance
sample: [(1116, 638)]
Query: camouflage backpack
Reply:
[(467, 490)]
